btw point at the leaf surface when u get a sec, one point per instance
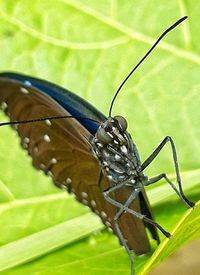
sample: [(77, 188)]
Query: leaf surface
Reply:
[(89, 47)]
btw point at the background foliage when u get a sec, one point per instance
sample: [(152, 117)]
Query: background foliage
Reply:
[(89, 47)]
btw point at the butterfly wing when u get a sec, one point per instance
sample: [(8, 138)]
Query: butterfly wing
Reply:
[(61, 148), (74, 104)]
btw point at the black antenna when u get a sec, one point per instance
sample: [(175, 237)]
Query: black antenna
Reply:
[(144, 57), (45, 118)]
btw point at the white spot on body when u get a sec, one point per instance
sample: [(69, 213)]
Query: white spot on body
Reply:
[(46, 138), (104, 163), (24, 90), (113, 128), (123, 149), (117, 157), (110, 135), (99, 145)]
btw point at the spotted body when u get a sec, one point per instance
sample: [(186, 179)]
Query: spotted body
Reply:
[(118, 155)]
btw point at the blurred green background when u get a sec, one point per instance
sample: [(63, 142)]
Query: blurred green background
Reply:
[(89, 47)]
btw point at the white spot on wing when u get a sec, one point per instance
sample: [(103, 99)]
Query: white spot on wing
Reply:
[(50, 173), (54, 161), (84, 195), (42, 166), (103, 215), (26, 140), (4, 105), (25, 145), (68, 181), (93, 203), (108, 224), (63, 186), (24, 90), (48, 122), (85, 201), (27, 83), (46, 138)]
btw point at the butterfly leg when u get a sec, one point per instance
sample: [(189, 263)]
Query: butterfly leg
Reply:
[(123, 241), (116, 219), (175, 160), (124, 208), (161, 176)]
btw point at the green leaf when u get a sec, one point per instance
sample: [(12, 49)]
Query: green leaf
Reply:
[(47, 240), (186, 230), (89, 47)]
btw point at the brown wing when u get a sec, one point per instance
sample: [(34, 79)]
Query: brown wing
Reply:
[(61, 149)]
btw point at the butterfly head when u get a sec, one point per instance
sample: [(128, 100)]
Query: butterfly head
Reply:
[(115, 151), (112, 131)]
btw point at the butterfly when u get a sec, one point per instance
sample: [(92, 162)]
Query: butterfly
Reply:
[(88, 154)]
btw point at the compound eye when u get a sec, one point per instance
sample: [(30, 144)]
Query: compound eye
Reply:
[(103, 136), (122, 122)]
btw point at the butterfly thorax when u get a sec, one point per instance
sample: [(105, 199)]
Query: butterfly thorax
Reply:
[(116, 152)]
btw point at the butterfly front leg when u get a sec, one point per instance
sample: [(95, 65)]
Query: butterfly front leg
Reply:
[(148, 161), (125, 207), (122, 209)]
